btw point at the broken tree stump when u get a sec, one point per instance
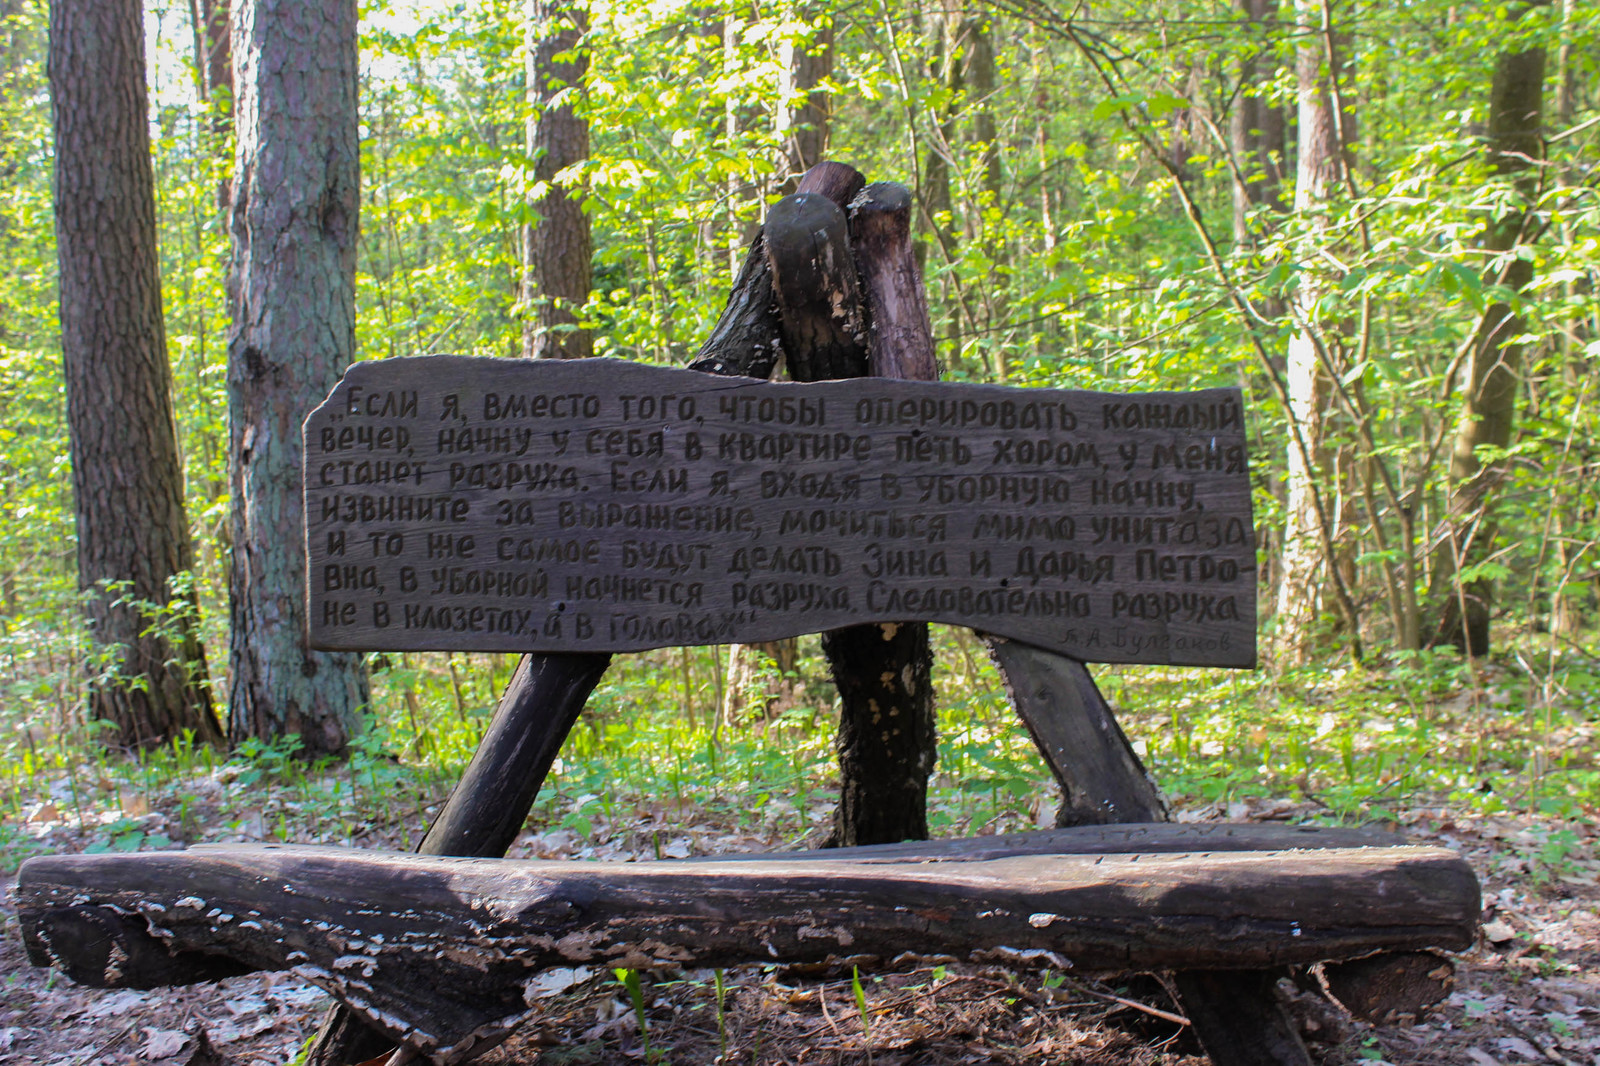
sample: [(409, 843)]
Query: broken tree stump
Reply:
[(747, 339)]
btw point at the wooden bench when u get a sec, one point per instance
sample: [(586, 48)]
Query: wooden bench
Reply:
[(575, 510)]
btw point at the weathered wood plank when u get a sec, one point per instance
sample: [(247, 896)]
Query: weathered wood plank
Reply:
[(597, 505), (1152, 838), (436, 950)]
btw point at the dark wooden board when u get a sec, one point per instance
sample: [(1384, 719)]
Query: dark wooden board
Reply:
[(1148, 838), (437, 951), (613, 506)]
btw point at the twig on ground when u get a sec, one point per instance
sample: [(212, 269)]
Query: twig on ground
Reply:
[(1154, 1012)]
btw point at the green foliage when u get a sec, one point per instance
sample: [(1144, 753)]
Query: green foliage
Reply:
[(629, 980), (1075, 262)]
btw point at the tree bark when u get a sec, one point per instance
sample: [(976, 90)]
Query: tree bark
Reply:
[(803, 115), (557, 267), (1319, 180), (127, 475), (292, 295), (1488, 415), (438, 950), (1256, 129)]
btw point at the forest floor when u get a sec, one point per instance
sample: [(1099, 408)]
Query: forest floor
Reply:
[(1528, 992)]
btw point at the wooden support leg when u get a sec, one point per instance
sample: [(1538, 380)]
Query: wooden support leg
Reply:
[(832, 276), (485, 812), (1102, 780), (1235, 1014)]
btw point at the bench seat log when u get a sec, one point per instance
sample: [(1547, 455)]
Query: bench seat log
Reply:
[(436, 951)]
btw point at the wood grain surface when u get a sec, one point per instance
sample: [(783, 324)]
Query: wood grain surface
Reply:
[(600, 505), (439, 952)]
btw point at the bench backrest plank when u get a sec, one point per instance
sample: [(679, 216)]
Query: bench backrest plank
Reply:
[(600, 505)]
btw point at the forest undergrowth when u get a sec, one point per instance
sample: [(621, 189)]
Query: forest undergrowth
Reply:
[(1351, 743), (1496, 759)]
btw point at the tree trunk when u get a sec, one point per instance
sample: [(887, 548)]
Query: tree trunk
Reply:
[(804, 65), (292, 295), (127, 475), (935, 214), (557, 271), (746, 695), (881, 671), (1256, 129), (983, 221), (213, 58), (1489, 408), (1319, 180), (886, 741)]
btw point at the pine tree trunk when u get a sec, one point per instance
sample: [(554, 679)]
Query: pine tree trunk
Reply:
[(1256, 130), (803, 118), (557, 272), (292, 295), (126, 471), (1489, 408), (978, 76), (1319, 179)]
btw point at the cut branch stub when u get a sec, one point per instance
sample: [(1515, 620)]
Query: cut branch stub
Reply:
[(900, 336), (747, 339), (819, 298)]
